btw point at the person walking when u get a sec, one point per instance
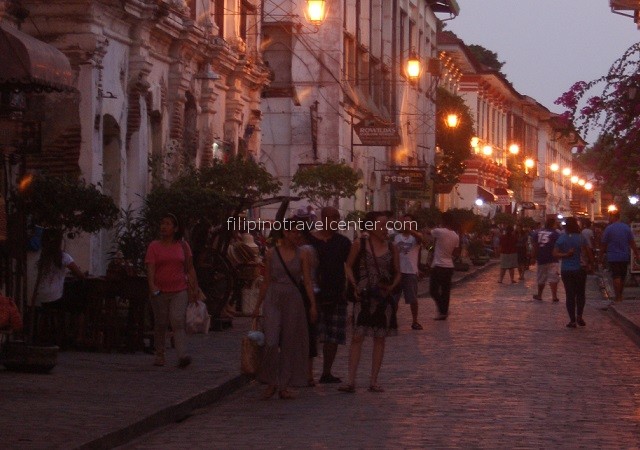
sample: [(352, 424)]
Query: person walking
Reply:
[(547, 264), (408, 244), (616, 243), (286, 359), (508, 254), (373, 271), (49, 288), (570, 248), (172, 285), (332, 250), (522, 248), (446, 247)]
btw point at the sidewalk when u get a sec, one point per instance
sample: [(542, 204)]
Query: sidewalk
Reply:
[(101, 400), (626, 311)]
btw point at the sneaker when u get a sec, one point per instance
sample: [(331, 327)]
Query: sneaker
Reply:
[(329, 379), (416, 326), (184, 362)]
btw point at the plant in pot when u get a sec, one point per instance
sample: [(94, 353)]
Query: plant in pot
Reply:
[(477, 252), (65, 206)]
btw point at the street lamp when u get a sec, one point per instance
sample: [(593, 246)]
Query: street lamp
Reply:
[(554, 167), (566, 171), (514, 149), (529, 164), (612, 208), (452, 120), (633, 199), (588, 186), (413, 67), (574, 179), (316, 11), (487, 150)]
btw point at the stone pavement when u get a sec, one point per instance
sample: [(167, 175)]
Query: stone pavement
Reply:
[(96, 400), (502, 372)]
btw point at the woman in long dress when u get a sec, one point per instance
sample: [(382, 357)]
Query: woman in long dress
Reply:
[(286, 360)]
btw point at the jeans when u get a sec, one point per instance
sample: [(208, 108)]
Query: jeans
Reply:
[(575, 282), (440, 287)]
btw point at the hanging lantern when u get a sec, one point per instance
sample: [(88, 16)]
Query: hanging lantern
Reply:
[(316, 11), (414, 68)]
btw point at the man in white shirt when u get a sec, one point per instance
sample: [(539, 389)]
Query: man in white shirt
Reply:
[(408, 243), (447, 246)]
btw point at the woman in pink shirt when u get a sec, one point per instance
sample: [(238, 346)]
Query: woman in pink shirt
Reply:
[(172, 284)]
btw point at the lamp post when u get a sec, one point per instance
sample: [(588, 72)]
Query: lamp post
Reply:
[(315, 11)]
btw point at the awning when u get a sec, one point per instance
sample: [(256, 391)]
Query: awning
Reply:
[(485, 195), (29, 64), (503, 191)]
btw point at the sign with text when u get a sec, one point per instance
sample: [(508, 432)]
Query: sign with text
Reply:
[(405, 178), (377, 135), (503, 200)]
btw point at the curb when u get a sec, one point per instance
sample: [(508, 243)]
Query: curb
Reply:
[(166, 416), (630, 328)]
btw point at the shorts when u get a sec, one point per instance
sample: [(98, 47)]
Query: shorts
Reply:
[(332, 325), (409, 288), (618, 269), (548, 273)]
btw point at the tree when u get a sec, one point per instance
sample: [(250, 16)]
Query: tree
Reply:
[(65, 203), (454, 142), (616, 112), (486, 57), (325, 183)]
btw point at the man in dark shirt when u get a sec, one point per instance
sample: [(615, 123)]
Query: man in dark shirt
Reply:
[(548, 270), (332, 250)]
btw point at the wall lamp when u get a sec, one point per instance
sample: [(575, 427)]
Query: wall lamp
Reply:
[(413, 67), (316, 11)]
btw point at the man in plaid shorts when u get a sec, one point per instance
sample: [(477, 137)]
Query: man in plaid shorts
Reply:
[(332, 250)]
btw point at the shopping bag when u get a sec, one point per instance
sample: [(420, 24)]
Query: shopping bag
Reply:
[(252, 350), (198, 319)]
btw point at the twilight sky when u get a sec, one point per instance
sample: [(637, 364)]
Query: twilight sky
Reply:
[(547, 45)]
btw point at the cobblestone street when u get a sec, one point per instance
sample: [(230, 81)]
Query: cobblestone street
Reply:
[(502, 372)]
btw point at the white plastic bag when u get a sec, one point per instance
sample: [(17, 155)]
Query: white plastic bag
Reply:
[(198, 318)]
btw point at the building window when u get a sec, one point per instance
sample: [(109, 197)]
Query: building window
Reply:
[(247, 19), (349, 59), (219, 16), (278, 55)]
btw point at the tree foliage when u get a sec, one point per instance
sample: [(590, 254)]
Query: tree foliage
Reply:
[(486, 57), (325, 183), (615, 111), (65, 203), (454, 143)]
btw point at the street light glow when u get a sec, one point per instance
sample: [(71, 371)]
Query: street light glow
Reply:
[(529, 163), (514, 149), (479, 202), (452, 120), (554, 167), (475, 141), (316, 11), (581, 182), (414, 67), (574, 179), (588, 186), (633, 199), (612, 208), (566, 171), (487, 150)]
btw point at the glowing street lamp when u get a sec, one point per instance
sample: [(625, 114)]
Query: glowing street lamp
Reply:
[(581, 182), (612, 208), (414, 68), (529, 163), (574, 179), (487, 150), (633, 199), (316, 11), (566, 171), (475, 142), (554, 167), (514, 149), (588, 186), (452, 120)]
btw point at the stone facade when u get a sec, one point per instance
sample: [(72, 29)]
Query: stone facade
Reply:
[(161, 83)]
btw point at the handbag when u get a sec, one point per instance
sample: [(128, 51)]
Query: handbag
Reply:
[(251, 351), (198, 319)]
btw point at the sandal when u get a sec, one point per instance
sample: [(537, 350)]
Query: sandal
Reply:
[(348, 388), (375, 388), (268, 393), (286, 395)]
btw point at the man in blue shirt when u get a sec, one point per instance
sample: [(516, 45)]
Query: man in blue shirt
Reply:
[(547, 265), (616, 245)]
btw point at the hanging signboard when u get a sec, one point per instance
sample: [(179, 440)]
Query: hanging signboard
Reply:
[(377, 135), (405, 178)]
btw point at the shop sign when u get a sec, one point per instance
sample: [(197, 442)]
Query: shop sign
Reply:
[(404, 178), (378, 135)]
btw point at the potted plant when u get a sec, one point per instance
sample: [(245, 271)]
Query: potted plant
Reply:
[(477, 252)]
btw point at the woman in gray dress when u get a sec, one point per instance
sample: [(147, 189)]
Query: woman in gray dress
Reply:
[(286, 356)]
